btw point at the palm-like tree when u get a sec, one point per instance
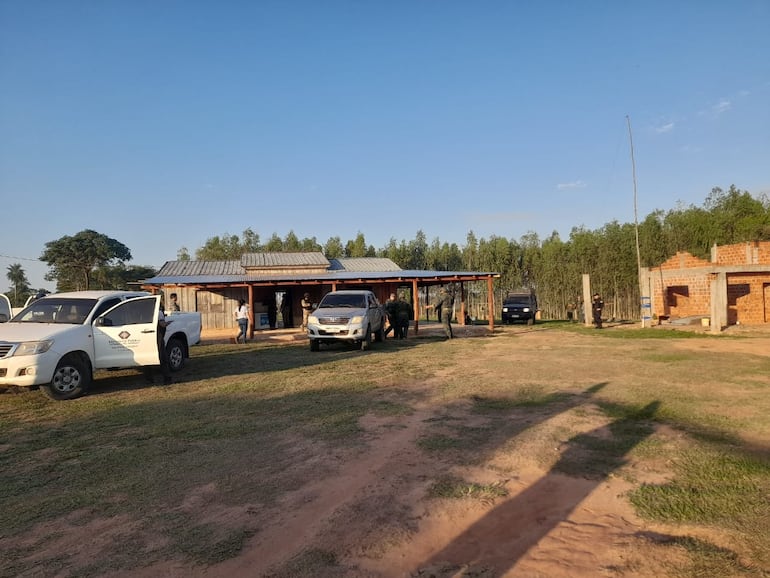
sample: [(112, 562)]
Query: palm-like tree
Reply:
[(19, 282)]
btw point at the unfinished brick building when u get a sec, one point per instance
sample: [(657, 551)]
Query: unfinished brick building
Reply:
[(732, 288)]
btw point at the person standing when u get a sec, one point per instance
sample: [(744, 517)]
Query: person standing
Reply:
[(444, 303), (272, 311), (391, 309), (597, 305), (173, 305), (403, 313), (307, 307), (570, 311), (242, 318), (165, 366), (286, 313)]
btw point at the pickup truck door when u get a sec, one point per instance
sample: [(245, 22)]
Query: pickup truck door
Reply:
[(5, 309), (126, 335)]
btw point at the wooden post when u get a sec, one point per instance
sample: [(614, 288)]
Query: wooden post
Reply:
[(491, 303), (251, 312), (416, 306)]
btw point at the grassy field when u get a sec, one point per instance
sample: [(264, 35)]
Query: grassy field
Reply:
[(118, 480)]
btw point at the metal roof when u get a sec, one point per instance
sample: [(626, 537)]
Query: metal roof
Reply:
[(275, 259), (195, 268), (370, 264), (340, 270), (326, 277)]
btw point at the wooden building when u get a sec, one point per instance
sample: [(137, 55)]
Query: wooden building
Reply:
[(266, 281)]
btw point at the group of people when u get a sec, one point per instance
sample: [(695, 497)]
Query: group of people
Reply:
[(575, 312), (399, 312), (241, 314)]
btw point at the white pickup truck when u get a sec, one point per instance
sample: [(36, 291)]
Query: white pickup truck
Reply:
[(58, 341)]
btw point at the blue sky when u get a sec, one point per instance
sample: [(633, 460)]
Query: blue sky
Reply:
[(164, 123)]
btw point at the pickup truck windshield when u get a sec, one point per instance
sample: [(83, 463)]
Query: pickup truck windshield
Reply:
[(57, 310), (336, 300)]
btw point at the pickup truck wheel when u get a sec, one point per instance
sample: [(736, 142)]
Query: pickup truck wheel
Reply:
[(314, 345), (367, 340), (70, 380), (175, 352), (531, 321)]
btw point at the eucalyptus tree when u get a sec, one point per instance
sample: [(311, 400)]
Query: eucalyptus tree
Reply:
[(225, 248), (333, 248)]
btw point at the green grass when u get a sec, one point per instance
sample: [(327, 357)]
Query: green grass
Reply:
[(451, 487), (257, 422)]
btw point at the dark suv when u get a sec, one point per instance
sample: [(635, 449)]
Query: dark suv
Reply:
[(520, 307)]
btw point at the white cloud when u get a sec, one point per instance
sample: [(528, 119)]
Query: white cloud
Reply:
[(572, 185), (722, 106), (668, 127)]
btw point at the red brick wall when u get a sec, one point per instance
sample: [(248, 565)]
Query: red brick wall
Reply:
[(682, 295), (746, 298), (689, 292), (751, 253), (683, 260)]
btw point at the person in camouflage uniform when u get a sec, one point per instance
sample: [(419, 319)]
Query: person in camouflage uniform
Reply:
[(445, 303)]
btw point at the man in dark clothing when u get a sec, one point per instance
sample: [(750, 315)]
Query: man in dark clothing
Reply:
[(445, 304), (391, 309), (597, 305), (403, 313), (165, 367), (286, 313)]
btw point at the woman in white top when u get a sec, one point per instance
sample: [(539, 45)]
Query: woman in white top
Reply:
[(242, 317)]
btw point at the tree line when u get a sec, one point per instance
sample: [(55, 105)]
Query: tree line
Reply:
[(552, 266)]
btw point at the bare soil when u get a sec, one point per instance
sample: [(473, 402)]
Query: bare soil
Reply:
[(367, 513)]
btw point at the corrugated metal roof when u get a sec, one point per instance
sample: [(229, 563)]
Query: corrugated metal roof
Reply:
[(327, 277), (342, 269), (363, 264), (177, 268), (276, 259)]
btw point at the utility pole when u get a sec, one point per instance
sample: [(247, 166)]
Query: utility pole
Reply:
[(636, 225)]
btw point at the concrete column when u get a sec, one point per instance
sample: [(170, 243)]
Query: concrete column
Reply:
[(587, 300), (718, 302)]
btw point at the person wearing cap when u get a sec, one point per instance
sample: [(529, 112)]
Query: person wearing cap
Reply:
[(307, 307), (445, 304)]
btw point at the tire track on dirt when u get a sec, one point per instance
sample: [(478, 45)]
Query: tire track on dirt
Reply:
[(306, 512)]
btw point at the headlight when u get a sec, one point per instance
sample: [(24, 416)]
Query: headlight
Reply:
[(526, 310), (505, 310), (33, 347), (313, 319), (357, 320)]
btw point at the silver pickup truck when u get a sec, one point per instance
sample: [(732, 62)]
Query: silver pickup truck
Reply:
[(352, 316)]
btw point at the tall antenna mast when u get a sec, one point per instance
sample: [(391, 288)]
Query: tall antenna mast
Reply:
[(636, 223)]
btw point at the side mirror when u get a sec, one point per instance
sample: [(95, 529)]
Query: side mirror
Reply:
[(103, 322), (3, 318)]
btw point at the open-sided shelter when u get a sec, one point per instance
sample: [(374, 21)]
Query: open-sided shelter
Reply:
[(213, 288)]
